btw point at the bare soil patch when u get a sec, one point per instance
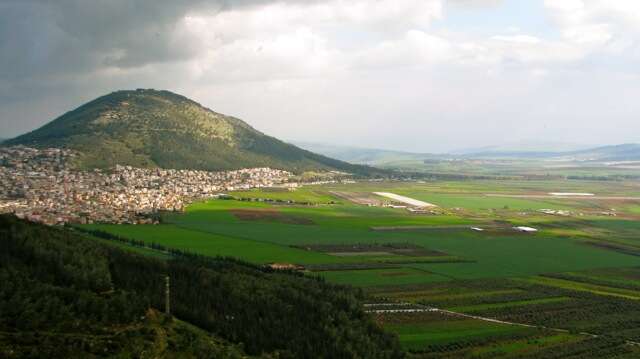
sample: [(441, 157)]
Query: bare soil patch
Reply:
[(349, 266), (400, 249), (351, 254), (393, 274), (269, 215), (365, 199)]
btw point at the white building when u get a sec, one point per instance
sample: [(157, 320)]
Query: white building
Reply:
[(525, 229)]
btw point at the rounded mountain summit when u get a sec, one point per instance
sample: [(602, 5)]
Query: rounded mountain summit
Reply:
[(155, 128)]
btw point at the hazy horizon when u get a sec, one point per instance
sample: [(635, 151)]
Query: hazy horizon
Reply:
[(409, 75)]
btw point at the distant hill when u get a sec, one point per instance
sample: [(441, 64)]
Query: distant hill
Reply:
[(624, 152), (152, 128), (367, 156), (523, 147), (533, 151), (511, 154)]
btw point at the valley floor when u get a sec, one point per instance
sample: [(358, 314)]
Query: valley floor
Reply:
[(572, 289)]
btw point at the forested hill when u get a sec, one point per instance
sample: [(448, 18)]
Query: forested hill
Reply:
[(151, 128), (64, 295)]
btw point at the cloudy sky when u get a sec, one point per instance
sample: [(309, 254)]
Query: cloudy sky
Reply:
[(418, 75)]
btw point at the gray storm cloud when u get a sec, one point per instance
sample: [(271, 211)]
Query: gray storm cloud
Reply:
[(52, 48), (40, 37)]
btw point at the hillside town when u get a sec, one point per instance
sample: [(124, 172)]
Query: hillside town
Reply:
[(42, 185)]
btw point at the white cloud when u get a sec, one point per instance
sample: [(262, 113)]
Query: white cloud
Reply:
[(414, 48), (282, 40), (518, 39), (476, 3), (597, 23), (339, 70)]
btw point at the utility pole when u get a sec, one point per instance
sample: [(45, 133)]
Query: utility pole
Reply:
[(167, 296)]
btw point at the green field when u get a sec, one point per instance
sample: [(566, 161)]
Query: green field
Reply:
[(381, 277), (211, 229), (483, 307), (499, 273), (586, 287), (421, 335), (305, 194), (214, 245)]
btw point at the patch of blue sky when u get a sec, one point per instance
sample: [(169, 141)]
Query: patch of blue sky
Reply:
[(506, 17)]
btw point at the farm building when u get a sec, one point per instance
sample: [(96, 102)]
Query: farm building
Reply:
[(285, 266), (525, 229), (396, 206), (418, 210)]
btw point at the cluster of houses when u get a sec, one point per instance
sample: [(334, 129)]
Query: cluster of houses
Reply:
[(565, 213), (42, 185)]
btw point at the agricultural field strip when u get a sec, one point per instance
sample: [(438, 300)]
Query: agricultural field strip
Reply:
[(419, 336), (516, 303), (497, 321), (439, 295), (404, 199), (436, 227), (600, 279), (363, 254), (399, 304), (541, 196), (510, 347), (374, 308), (386, 311), (585, 287), (572, 194)]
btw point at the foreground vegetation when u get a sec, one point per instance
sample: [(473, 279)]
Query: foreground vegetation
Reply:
[(64, 295)]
